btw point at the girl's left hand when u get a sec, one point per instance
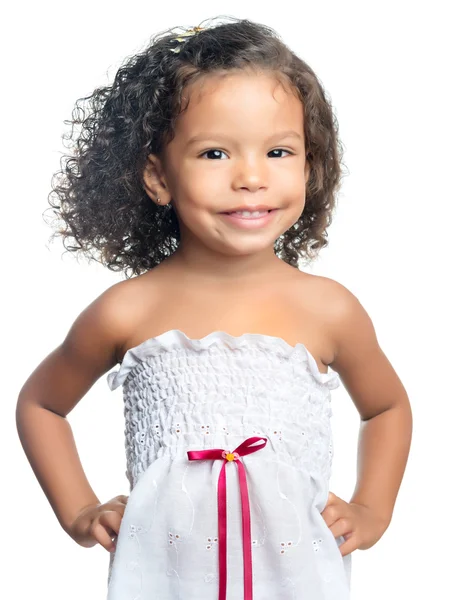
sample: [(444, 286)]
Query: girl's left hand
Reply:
[(358, 524)]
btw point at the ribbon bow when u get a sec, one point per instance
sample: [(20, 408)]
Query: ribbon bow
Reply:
[(181, 38), (245, 447)]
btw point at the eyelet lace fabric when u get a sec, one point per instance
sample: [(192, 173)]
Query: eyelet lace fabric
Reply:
[(182, 394)]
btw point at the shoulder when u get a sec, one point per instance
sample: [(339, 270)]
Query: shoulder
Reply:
[(340, 302), (345, 315), (331, 299), (343, 319), (364, 368), (114, 313), (89, 349)]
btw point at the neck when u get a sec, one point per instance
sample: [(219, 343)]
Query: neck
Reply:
[(213, 267)]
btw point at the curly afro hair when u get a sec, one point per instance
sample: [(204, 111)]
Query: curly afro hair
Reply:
[(98, 192)]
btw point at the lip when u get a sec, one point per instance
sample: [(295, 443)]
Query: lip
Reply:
[(250, 222), (250, 208)]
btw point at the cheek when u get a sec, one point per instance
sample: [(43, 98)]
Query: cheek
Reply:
[(208, 174), (299, 185), (293, 190), (204, 187)]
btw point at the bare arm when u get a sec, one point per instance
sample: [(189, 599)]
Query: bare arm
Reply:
[(381, 400), (54, 389)]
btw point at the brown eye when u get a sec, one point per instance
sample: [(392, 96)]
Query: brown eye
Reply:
[(280, 150), (215, 150)]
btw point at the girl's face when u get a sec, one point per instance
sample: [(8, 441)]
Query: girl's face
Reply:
[(249, 150)]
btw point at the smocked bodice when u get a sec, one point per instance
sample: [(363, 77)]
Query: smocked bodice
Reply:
[(216, 391)]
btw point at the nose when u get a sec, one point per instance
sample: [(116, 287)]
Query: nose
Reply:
[(251, 174)]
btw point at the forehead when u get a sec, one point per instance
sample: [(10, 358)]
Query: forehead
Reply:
[(239, 102)]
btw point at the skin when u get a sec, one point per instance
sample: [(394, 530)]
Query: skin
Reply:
[(224, 278), (219, 269), (251, 169)]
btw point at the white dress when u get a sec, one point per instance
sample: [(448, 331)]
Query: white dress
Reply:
[(183, 395)]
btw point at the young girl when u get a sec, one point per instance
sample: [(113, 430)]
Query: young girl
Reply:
[(208, 170)]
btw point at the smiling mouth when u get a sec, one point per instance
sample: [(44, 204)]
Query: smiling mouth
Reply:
[(250, 220), (239, 212)]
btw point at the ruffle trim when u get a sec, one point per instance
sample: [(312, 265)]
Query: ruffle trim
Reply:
[(176, 338)]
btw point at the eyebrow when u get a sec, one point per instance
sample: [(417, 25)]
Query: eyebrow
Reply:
[(218, 136)]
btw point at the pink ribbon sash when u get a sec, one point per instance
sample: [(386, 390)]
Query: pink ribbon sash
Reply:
[(245, 447)]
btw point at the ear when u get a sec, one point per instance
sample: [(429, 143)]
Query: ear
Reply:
[(154, 181), (307, 170)]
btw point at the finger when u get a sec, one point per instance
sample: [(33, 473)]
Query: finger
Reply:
[(117, 506), (102, 536), (121, 499), (349, 545), (341, 527), (331, 515), (329, 501), (111, 520)]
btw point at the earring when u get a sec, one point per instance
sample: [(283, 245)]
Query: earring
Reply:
[(158, 200)]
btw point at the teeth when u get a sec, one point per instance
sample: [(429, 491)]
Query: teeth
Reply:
[(247, 213)]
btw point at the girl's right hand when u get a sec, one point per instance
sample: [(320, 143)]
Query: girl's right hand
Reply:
[(99, 523)]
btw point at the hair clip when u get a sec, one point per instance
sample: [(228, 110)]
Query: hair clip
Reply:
[(186, 34)]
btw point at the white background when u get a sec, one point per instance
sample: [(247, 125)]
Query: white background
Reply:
[(387, 69)]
